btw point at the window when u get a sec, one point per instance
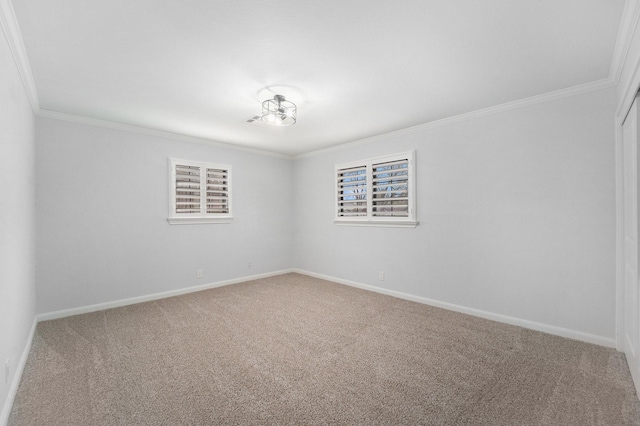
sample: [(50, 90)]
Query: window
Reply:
[(199, 192), (378, 191)]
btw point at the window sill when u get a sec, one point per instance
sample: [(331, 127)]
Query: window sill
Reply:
[(382, 223), (198, 220)]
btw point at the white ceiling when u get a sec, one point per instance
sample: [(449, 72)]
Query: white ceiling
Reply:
[(354, 68)]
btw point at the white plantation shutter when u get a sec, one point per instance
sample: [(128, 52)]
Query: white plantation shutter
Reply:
[(390, 188), (378, 191), (352, 191), (217, 191), (199, 192), (187, 181)]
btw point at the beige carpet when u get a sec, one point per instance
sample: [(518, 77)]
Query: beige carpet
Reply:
[(298, 350)]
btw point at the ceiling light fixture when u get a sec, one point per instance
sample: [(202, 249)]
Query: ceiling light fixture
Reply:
[(279, 112)]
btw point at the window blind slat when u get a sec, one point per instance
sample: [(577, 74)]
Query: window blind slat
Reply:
[(385, 170), (391, 207), (376, 166), (394, 179), (351, 176), (354, 169), (351, 181)]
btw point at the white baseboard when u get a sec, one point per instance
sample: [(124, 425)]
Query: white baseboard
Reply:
[(632, 361), (13, 390), (155, 296), (545, 328)]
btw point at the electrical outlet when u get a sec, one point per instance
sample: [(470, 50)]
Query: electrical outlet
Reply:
[(381, 276), (199, 273), (6, 371)]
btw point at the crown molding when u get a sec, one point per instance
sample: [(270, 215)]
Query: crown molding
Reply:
[(11, 31), (628, 26), (508, 106), (153, 132), (629, 93), (631, 19)]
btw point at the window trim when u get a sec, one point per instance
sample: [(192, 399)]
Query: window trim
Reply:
[(202, 217), (369, 220)]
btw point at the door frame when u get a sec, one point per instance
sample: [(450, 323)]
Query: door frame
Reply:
[(629, 94), (621, 114)]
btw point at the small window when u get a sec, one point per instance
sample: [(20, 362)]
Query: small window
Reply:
[(199, 192), (378, 191)]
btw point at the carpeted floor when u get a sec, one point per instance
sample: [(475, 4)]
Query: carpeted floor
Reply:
[(297, 350)]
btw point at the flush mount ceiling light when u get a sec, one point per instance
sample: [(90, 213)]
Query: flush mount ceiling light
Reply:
[(279, 112)]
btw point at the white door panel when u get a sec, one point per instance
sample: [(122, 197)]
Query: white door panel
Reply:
[(631, 305)]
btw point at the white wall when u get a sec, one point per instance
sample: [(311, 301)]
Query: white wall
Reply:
[(516, 211), (102, 206), (17, 221)]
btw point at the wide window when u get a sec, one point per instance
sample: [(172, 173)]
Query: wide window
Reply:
[(199, 192), (377, 191)]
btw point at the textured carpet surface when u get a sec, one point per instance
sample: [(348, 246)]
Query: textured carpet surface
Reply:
[(297, 350)]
